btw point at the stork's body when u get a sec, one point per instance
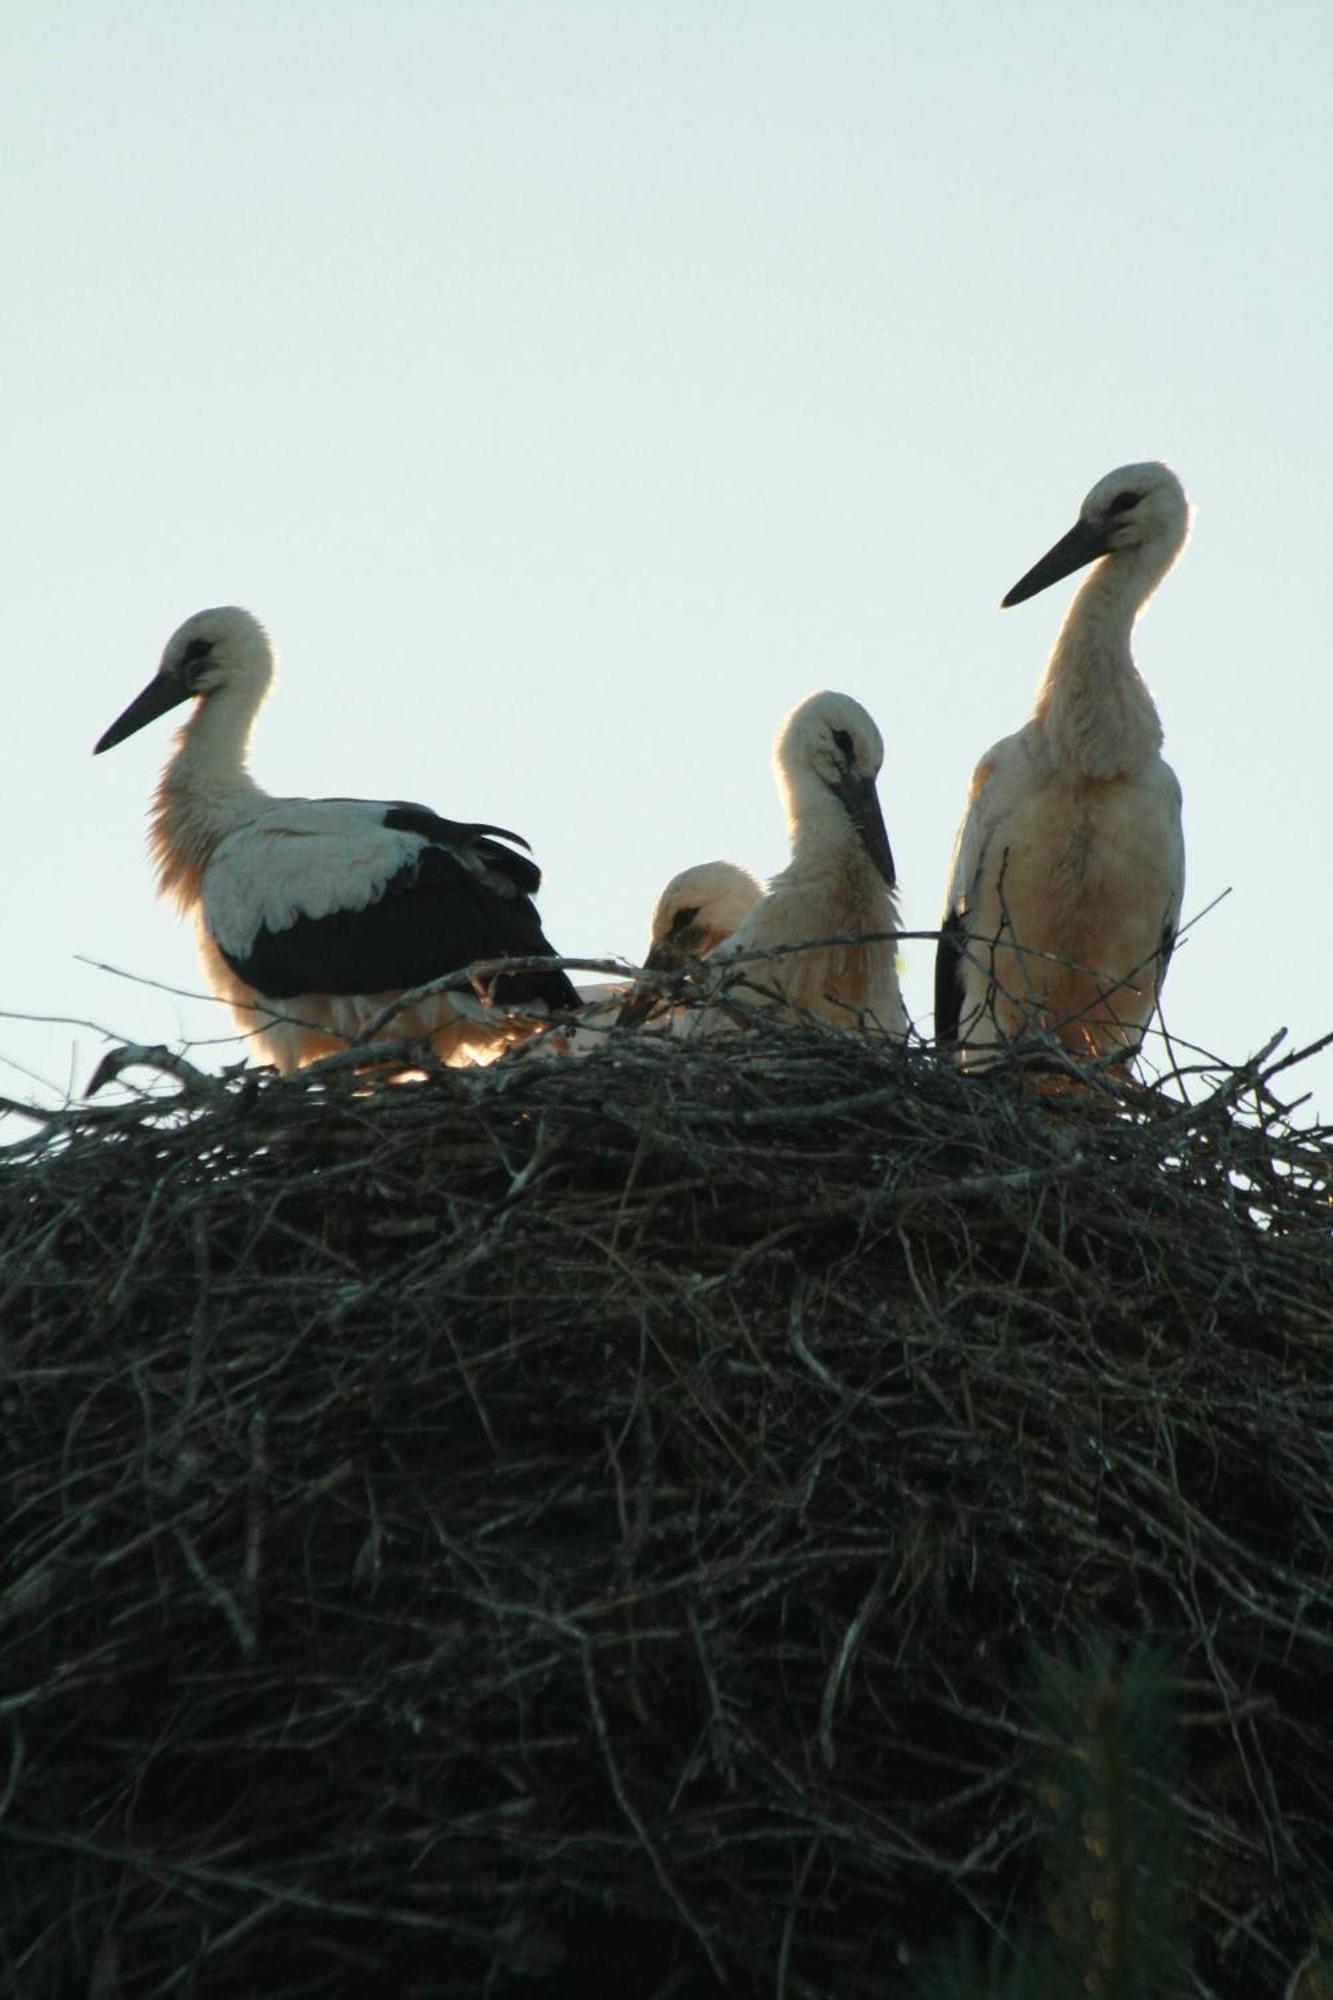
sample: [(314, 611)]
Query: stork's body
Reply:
[(1069, 867), (314, 914), (840, 882)]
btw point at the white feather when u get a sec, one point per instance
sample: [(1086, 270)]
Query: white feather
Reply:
[(300, 858), (1069, 866)]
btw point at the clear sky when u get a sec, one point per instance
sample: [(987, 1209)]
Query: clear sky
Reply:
[(573, 387)]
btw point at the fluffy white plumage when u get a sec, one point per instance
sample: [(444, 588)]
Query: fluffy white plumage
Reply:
[(698, 910), (1071, 845), (314, 914), (840, 881)]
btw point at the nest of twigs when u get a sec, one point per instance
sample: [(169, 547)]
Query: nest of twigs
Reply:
[(580, 1527)]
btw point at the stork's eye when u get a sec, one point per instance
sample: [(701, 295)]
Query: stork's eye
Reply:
[(682, 920), (193, 661), (843, 744), (1123, 502)]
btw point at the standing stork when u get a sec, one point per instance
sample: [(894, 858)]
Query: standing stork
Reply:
[(313, 914), (839, 883), (1069, 867)]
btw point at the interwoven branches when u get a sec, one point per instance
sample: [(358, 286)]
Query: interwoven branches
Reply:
[(580, 1526)]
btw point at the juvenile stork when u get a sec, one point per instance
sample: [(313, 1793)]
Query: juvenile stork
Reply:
[(313, 914), (1069, 867), (839, 883), (697, 911)]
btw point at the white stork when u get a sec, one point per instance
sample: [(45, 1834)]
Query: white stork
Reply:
[(1069, 867), (322, 910), (697, 911), (839, 883)]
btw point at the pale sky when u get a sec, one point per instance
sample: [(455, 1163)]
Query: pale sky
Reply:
[(572, 388)]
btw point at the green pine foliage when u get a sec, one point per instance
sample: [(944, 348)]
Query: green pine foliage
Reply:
[(1104, 1788)]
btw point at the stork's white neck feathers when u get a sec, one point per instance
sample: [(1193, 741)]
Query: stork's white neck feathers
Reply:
[(205, 791), (1093, 707), (826, 760), (827, 856)]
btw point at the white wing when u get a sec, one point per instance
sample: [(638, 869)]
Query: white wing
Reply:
[(997, 785)]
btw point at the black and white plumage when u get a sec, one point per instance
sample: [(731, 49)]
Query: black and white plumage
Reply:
[(1069, 867), (314, 914)]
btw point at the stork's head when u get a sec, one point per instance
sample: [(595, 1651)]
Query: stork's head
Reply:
[(221, 651), (699, 909), (828, 755), (1136, 511)]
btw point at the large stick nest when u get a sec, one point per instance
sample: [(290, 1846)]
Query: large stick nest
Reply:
[(581, 1526)]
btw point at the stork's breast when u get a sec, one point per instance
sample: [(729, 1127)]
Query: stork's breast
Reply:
[(1086, 871)]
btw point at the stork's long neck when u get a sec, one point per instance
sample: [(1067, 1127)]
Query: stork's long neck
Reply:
[(1097, 715), (828, 860), (205, 791)]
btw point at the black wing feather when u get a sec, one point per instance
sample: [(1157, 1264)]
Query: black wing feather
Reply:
[(949, 978), (404, 817), (433, 917), (1164, 951), (525, 875)]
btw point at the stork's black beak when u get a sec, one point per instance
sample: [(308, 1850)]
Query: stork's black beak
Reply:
[(1083, 544), (687, 938), (164, 691), (860, 801), (665, 957)]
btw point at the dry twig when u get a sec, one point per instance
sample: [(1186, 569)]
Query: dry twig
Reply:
[(585, 1522)]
